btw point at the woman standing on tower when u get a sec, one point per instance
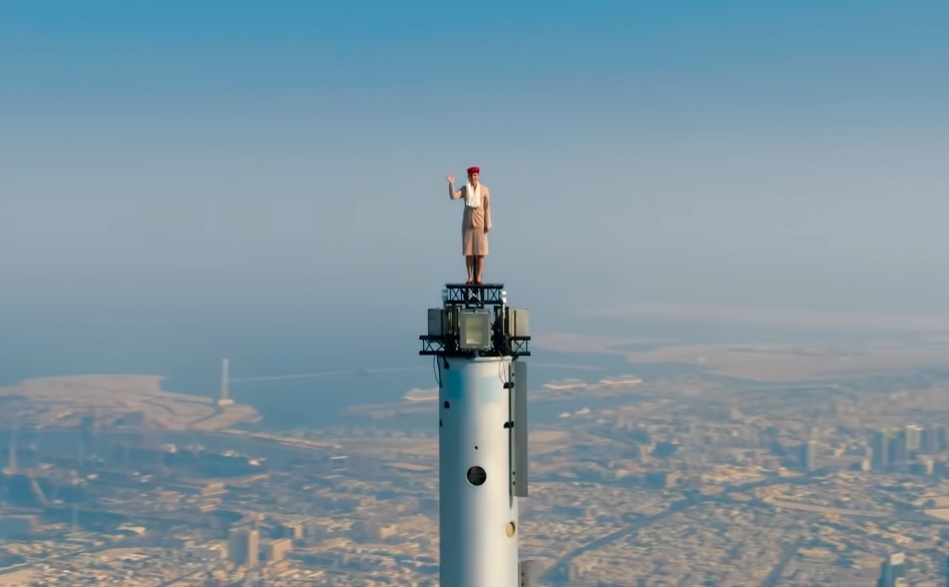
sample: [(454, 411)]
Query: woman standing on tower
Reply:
[(475, 223)]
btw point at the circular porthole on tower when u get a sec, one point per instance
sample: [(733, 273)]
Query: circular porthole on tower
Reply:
[(476, 476)]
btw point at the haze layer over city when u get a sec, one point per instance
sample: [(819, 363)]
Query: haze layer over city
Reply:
[(726, 221)]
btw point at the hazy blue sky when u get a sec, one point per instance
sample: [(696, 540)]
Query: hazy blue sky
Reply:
[(214, 157)]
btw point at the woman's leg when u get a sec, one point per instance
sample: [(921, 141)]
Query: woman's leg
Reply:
[(470, 266), (478, 268)]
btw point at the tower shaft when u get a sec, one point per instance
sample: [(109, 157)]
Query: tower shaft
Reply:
[(475, 340), (478, 512)]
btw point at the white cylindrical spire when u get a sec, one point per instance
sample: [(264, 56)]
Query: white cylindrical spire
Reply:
[(478, 513)]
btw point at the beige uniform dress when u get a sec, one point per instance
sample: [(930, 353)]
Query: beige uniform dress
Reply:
[(474, 241)]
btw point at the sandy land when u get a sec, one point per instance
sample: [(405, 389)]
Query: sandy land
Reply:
[(778, 362), (780, 317), (564, 342), (63, 401), (19, 578), (791, 362)]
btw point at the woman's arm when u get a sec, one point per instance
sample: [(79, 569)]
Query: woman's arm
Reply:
[(452, 192), (487, 210)]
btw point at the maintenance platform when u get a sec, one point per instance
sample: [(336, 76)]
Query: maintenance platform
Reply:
[(475, 321)]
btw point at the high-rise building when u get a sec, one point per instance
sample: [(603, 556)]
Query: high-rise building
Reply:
[(898, 452), (930, 439), (914, 437), (244, 547), (879, 449), (225, 398), (277, 549), (808, 455), (893, 571)]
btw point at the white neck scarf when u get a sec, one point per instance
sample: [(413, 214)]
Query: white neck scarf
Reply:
[(473, 196)]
